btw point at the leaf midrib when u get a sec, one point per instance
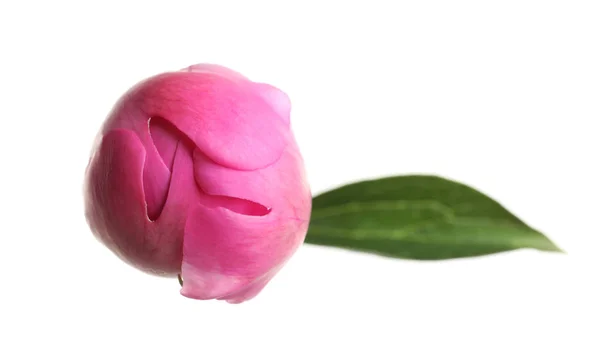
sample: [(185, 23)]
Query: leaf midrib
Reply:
[(380, 205)]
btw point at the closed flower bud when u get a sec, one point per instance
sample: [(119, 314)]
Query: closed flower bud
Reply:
[(197, 173)]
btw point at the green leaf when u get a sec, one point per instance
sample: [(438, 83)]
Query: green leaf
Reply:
[(418, 217)]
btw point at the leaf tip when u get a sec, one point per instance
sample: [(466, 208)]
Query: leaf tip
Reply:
[(558, 250), (552, 247)]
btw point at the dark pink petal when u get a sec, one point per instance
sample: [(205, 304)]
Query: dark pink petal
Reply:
[(116, 206)]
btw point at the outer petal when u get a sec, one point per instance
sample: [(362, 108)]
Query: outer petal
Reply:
[(114, 194), (282, 186), (227, 119), (279, 100), (230, 256), (251, 290), (116, 209), (224, 252), (217, 70)]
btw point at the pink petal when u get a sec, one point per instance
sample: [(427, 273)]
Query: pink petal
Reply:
[(115, 198), (279, 100), (116, 203), (251, 290), (282, 186), (202, 285), (216, 69), (159, 162), (224, 252), (165, 138), (227, 120), (116, 207)]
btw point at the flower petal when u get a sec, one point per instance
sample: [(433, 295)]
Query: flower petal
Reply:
[(251, 290), (216, 69), (282, 186), (279, 100), (224, 252), (116, 208), (115, 205), (159, 162), (228, 120), (115, 197)]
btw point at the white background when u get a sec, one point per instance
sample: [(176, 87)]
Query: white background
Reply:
[(501, 95)]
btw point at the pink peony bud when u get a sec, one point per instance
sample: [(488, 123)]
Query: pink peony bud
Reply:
[(197, 173)]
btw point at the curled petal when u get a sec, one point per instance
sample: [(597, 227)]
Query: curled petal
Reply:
[(251, 290), (116, 207), (115, 197), (277, 99), (224, 252), (158, 166), (216, 69), (227, 120), (282, 186)]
